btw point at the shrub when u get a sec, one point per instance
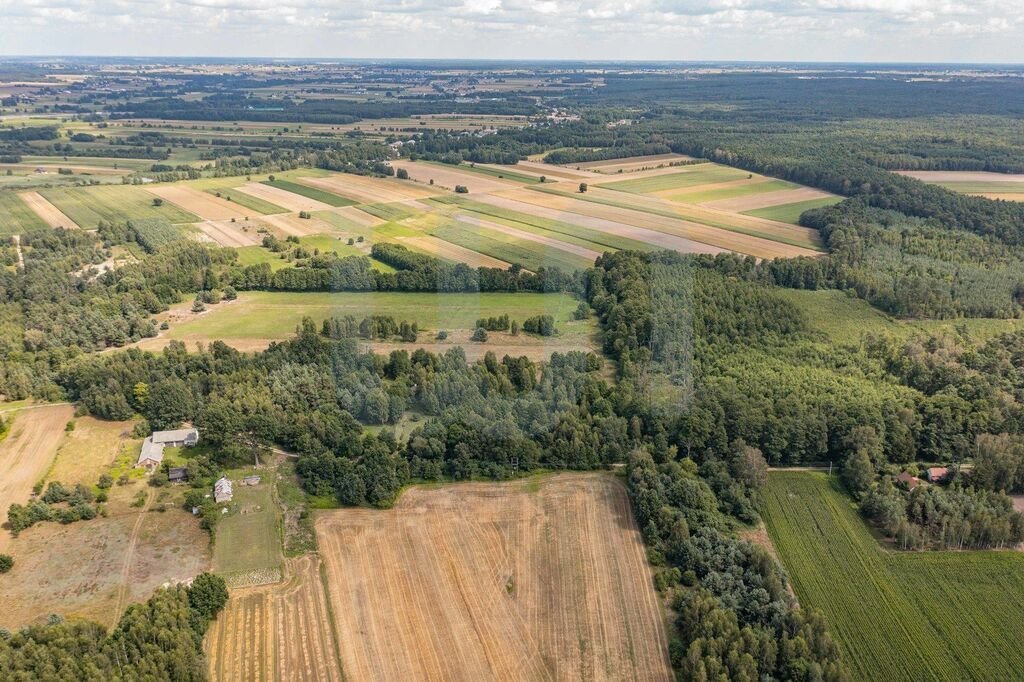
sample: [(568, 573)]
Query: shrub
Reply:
[(402, 174), (6, 562), (480, 335), (461, 189)]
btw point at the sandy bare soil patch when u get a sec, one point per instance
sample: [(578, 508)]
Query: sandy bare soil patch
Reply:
[(280, 632), (227, 233), (27, 453), (963, 176), (767, 199), (581, 213), (452, 252), (449, 176), (50, 214), (293, 225), (372, 190), (532, 580), (529, 236), (282, 197), (206, 206)]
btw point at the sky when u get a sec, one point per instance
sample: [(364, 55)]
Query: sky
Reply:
[(769, 30)]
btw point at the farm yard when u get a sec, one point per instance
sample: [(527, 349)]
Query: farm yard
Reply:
[(120, 557), (895, 615), (537, 579)]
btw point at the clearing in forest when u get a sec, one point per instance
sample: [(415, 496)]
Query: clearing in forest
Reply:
[(896, 615), (543, 579)]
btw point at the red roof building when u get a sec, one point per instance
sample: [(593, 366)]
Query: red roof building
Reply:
[(936, 474), (910, 481)]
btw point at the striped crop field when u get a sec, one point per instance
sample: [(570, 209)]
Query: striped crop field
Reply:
[(896, 615), (87, 206)]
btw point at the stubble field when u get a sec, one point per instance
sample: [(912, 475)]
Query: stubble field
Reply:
[(532, 580)]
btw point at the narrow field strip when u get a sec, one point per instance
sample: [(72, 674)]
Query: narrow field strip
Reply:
[(583, 252), (282, 197), (503, 246), (49, 214), (452, 252)]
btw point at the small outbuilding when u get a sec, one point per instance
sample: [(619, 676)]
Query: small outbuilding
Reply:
[(177, 474), (908, 480), (251, 480), (222, 490)]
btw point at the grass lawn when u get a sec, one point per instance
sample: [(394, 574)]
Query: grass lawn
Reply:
[(276, 315), (248, 537), (895, 615), (15, 215), (316, 193), (702, 196), (790, 213), (87, 206), (339, 245), (692, 176)]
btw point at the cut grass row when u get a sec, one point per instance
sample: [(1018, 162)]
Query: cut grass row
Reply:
[(894, 615), (321, 195), (87, 206)]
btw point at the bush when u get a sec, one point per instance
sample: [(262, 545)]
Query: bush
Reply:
[(105, 482), (480, 335), (402, 174), (6, 562), (461, 189), (442, 335)]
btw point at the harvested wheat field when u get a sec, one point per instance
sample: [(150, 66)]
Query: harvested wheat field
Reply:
[(28, 451), (633, 164), (767, 200), (544, 579), (227, 233), (372, 190), (50, 214), (282, 632), (449, 176), (451, 252), (291, 225), (359, 217), (282, 197), (202, 204)]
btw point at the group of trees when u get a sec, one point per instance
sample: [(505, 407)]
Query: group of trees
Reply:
[(160, 639)]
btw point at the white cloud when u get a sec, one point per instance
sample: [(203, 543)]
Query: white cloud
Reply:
[(911, 30)]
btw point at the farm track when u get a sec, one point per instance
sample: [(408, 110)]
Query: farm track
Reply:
[(541, 580), (122, 595)]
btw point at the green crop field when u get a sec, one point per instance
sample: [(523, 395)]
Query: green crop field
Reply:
[(993, 187), (87, 206), (97, 161), (790, 213), (316, 193), (895, 615), (388, 211), (702, 196), (495, 173), (693, 176), (557, 229), (249, 537), (224, 187), (276, 315), (15, 215), (510, 248)]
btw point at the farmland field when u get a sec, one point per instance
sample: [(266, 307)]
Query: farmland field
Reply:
[(538, 579), (281, 632), (257, 318), (247, 550), (87, 206), (324, 196), (896, 616), (687, 176), (790, 213), (15, 215)]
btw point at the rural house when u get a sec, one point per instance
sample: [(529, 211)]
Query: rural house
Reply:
[(908, 480), (152, 454), (222, 490), (937, 474)]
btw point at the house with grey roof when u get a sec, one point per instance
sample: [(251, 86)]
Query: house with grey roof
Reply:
[(222, 490), (152, 455)]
